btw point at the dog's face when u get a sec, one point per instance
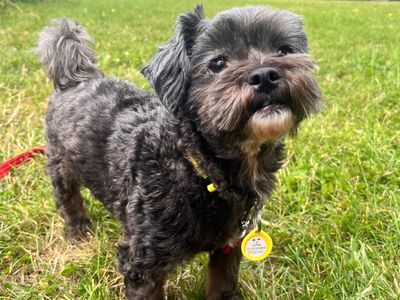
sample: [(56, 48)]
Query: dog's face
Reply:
[(243, 77)]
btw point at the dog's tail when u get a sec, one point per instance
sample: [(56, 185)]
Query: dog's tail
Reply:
[(64, 52)]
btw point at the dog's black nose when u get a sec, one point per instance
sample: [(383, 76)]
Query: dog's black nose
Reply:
[(264, 80)]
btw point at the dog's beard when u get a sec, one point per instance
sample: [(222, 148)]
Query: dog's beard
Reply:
[(270, 122)]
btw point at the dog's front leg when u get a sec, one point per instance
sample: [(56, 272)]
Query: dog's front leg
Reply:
[(147, 289), (144, 273), (223, 275)]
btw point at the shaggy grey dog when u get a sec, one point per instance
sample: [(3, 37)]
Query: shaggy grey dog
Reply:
[(228, 90)]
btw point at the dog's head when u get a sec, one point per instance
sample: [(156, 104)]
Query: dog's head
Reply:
[(242, 77)]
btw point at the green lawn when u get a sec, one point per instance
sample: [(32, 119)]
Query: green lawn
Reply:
[(335, 215)]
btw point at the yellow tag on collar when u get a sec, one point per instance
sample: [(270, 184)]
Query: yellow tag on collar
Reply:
[(256, 246), (211, 188)]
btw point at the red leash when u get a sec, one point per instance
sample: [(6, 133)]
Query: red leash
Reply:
[(6, 166)]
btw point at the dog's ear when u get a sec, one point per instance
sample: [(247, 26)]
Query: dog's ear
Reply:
[(169, 70)]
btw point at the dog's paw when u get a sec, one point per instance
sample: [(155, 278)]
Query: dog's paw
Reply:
[(79, 232), (233, 297), (225, 296)]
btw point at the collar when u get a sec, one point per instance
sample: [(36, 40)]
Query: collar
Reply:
[(211, 188)]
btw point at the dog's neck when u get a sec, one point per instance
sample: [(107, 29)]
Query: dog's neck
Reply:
[(258, 165), (249, 167)]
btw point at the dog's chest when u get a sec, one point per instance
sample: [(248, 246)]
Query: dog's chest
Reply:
[(204, 220)]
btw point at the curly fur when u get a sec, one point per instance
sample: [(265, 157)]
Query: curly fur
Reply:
[(131, 147)]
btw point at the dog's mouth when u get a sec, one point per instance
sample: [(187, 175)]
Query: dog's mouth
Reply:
[(271, 109), (270, 121), (268, 105)]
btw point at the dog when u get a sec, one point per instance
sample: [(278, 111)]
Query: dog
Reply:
[(183, 169)]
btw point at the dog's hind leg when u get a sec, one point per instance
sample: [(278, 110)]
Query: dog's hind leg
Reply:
[(223, 275), (68, 198)]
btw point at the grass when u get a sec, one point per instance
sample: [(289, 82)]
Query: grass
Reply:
[(335, 215)]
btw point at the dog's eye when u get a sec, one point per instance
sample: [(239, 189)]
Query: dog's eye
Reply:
[(285, 50), (217, 64)]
